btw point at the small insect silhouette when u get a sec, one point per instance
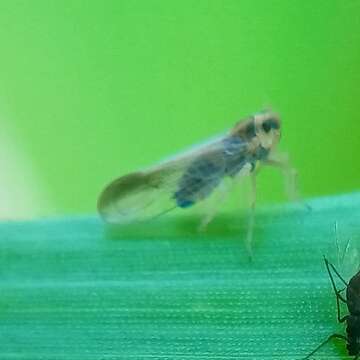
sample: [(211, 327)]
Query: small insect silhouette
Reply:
[(191, 177), (352, 320)]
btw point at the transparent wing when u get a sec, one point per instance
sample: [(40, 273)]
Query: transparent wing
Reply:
[(347, 250), (138, 196), (179, 182)]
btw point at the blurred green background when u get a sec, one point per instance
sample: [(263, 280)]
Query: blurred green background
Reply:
[(90, 90)]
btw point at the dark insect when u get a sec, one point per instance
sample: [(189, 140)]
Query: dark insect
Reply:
[(352, 320)]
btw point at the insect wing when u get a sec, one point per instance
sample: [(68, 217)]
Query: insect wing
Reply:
[(348, 252), (179, 182), (138, 196)]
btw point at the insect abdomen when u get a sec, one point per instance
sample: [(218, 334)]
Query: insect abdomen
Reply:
[(198, 182), (353, 334), (193, 189)]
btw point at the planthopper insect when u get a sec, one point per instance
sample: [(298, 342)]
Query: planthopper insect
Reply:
[(352, 320), (191, 177)]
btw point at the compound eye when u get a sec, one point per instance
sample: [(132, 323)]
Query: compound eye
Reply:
[(266, 126)]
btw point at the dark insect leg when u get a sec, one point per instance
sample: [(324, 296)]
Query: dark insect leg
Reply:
[(337, 292), (333, 336)]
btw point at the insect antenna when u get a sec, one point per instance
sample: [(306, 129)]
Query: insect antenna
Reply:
[(337, 292)]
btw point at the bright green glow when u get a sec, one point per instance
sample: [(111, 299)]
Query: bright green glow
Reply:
[(97, 89)]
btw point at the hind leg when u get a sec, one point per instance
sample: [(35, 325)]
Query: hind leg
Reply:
[(333, 336), (251, 216), (221, 196)]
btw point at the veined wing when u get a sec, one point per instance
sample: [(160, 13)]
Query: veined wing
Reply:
[(179, 182), (347, 251)]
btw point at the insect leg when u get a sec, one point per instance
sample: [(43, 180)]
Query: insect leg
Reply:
[(251, 218), (290, 174), (222, 194), (337, 292), (333, 336)]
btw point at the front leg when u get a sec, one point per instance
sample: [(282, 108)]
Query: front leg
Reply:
[(291, 184), (336, 291)]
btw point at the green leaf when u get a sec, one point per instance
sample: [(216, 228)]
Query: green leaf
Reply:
[(73, 289)]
